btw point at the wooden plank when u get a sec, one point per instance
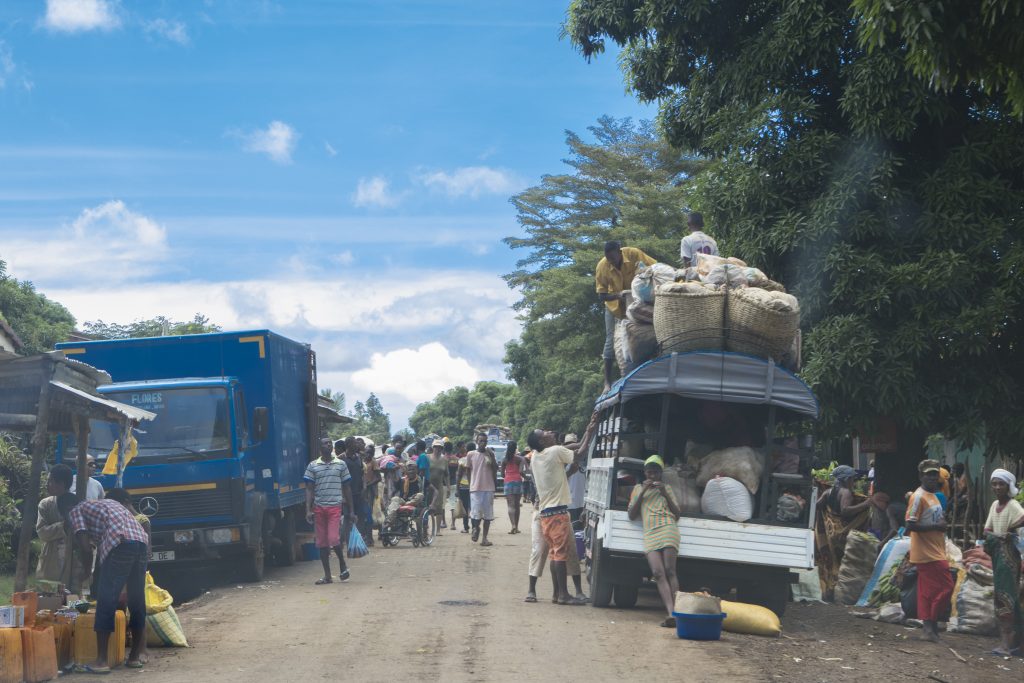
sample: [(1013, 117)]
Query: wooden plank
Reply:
[(40, 441), (17, 421)]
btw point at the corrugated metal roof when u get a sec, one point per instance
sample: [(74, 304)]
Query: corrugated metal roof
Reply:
[(131, 412)]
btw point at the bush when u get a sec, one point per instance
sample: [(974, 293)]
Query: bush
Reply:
[(10, 527), (15, 474)]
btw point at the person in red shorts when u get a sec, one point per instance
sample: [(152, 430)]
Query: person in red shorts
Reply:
[(327, 491), (927, 526), (548, 465)]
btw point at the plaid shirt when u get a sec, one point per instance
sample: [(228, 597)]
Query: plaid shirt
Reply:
[(108, 523)]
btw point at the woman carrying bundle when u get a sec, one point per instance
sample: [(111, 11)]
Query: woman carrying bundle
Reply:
[(657, 504), (1004, 518)]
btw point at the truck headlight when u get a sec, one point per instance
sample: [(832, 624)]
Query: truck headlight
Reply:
[(217, 536), (184, 536)]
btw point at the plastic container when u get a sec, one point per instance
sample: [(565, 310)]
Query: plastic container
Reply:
[(84, 642), (699, 626), (39, 650), (12, 666), (310, 552)]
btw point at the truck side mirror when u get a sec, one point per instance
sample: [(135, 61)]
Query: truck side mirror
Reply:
[(260, 423)]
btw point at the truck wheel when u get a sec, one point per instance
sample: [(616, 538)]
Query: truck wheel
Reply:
[(626, 595), (253, 564), (600, 588), (284, 553), (771, 594)]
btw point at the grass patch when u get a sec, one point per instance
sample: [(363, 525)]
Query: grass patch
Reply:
[(6, 588)]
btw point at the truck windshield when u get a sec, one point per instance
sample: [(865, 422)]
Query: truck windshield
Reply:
[(192, 420)]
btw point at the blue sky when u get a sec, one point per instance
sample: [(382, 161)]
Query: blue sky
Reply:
[(336, 171)]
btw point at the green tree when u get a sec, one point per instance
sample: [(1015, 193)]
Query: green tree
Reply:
[(159, 326), (369, 420), (335, 397), (891, 208), (39, 322), (455, 412), (627, 184)]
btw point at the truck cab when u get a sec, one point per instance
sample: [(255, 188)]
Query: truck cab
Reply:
[(664, 407)]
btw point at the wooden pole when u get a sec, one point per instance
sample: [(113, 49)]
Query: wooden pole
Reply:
[(82, 460), (39, 444)]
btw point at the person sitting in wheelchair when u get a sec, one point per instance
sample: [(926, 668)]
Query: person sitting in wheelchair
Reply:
[(411, 488)]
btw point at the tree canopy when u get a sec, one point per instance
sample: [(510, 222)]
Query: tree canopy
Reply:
[(159, 326), (455, 412), (625, 183), (370, 418), (39, 322), (862, 156)]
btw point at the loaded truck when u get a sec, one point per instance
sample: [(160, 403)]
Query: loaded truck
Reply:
[(219, 470), (672, 406)]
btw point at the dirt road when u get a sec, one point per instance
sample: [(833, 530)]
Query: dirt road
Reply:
[(455, 612)]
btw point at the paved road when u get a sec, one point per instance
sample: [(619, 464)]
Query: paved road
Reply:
[(391, 623)]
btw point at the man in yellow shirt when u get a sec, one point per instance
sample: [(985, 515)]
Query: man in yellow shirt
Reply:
[(613, 278)]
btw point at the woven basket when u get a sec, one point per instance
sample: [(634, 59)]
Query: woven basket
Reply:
[(685, 321), (752, 328)]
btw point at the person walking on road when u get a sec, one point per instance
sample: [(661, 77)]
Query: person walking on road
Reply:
[(438, 468), (513, 477), (483, 476), (1005, 517), (348, 449), (613, 278), (327, 492), (549, 463), (123, 550), (658, 506), (462, 485), (927, 526)]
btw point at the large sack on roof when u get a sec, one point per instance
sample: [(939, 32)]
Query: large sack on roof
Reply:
[(647, 279), (741, 463)]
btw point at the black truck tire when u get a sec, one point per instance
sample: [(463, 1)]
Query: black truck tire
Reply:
[(601, 588), (626, 595), (284, 550)]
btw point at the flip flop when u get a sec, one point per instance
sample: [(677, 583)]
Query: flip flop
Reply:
[(134, 665), (89, 669), (670, 622), (323, 582), (485, 543), (573, 602), (530, 597)]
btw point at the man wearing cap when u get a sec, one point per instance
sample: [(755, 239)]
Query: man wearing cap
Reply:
[(927, 526), (613, 278), (549, 463)]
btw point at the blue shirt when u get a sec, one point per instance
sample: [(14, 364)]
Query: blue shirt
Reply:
[(423, 465)]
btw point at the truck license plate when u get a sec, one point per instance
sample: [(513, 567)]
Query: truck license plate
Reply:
[(161, 556)]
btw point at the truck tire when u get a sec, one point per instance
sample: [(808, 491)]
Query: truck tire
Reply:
[(600, 587), (284, 551), (626, 595), (253, 564)]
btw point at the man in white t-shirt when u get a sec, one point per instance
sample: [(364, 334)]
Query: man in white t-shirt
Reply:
[(93, 489), (696, 242)]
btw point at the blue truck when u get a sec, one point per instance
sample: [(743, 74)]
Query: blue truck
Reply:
[(219, 470)]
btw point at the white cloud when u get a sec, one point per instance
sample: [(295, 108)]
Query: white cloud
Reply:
[(414, 374), (375, 191), (277, 141), (105, 243), (473, 181), (72, 16), (170, 29), (345, 258), (331, 152)]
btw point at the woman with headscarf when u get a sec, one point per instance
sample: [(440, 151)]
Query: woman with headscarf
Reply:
[(1004, 518), (839, 513), (656, 503)]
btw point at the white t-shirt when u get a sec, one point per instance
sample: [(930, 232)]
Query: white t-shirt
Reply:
[(697, 243), (93, 490), (577, 489), (549, 477)]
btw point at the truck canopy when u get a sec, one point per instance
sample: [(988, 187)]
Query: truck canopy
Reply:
[(716, 376)]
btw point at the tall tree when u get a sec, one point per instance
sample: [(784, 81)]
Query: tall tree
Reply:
[(455, 412), (159, 326), (39, 322), (369, 420), (626, 183), (892, 207)]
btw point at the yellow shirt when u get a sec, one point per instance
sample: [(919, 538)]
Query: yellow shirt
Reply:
[(926, 546), (610, 279)]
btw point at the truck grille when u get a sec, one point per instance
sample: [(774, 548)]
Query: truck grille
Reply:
[(186, 504)]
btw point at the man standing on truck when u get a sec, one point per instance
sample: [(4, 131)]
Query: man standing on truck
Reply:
[(926, 523), (697, 242), (327, 492), (549, 462), (613, 278)]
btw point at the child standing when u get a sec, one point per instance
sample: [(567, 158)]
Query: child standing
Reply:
[(657, 504)]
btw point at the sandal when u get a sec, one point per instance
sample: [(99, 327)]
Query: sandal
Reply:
[(134, 665), (484, 544), (90, 669), (572, 602), (670, 622), (322, 582), (530, 597)]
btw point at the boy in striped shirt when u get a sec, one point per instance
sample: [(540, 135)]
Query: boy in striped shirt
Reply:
[(327, 493)]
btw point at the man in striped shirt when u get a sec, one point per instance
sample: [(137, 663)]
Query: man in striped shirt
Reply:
[(327, 493)]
